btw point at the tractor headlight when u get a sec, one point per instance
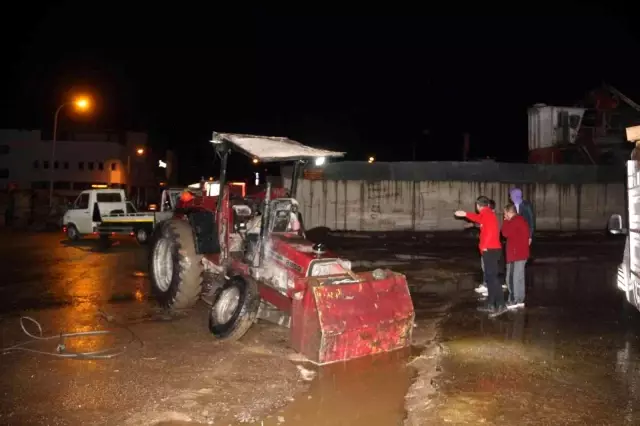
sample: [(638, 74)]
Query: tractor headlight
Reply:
[(323, 268)]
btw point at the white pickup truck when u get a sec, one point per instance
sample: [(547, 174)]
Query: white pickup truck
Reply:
[(106, 212)]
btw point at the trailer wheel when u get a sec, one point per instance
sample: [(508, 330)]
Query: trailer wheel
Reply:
[(234, 309), (175, 268)]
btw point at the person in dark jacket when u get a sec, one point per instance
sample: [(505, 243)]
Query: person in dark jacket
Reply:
[(516, 231), (490, 249), (524, 209)]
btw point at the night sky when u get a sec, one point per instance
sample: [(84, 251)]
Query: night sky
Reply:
[(366, 85)]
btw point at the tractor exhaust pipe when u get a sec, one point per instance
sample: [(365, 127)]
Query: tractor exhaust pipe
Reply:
[(297, 169), (223, 176), (264, 228)]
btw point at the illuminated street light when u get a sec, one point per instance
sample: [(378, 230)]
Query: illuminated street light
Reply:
[(320, 161), (140, 151), (82, 104), (371, 160), (255, 161)]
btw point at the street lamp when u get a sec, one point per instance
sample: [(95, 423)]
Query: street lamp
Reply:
[(82, 104), (371, 160), (139, 153), (255, 161)]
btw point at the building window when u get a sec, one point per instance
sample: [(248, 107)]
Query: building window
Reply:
[(101, 166), (56, 165), (45, 164), (114, 167), (4, 149), (65, 165), (81, 165), (4, 173), (36, 164), (90, 165), (43, 184)]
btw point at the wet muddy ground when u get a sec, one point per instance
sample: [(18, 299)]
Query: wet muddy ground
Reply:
[(180, 375), (572, 357)]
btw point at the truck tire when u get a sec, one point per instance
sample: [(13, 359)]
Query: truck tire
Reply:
[(72, 233), (234, 309), (175, 268)]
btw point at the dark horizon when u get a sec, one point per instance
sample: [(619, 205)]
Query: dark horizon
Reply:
[(368, 86)]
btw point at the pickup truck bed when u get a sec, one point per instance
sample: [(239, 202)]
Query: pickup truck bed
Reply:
[(139, 224)]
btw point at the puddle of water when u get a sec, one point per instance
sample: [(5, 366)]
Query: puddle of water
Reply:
[(362, 392), (571, 357)]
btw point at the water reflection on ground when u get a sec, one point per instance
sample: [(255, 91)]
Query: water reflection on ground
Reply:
[(570, 358)]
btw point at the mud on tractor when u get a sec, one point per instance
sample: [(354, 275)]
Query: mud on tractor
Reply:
[(249, 261)]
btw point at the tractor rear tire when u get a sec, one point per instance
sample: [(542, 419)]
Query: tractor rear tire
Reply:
[(234, 309), (176, 270)]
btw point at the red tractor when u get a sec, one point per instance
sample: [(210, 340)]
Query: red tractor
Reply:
[(250, 261)]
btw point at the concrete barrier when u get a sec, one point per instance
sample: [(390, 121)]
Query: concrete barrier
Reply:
[(358, 205)]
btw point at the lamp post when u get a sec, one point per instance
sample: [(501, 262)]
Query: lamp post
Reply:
[(139, 153), (81, 104)]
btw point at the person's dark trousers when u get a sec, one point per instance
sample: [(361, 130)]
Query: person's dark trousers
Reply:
[(494, 288)]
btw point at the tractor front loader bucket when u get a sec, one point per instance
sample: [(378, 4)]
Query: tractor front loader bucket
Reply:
[(338, 318)]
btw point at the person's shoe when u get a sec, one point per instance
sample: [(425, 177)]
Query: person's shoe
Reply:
[(486, 308), (512, 305), (519, 305), (498, 311), (481, 289)]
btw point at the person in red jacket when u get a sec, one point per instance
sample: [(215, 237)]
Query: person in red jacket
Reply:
[(490, 249), (515, 230)]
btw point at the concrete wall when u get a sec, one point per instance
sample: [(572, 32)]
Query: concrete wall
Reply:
[(428, 205)]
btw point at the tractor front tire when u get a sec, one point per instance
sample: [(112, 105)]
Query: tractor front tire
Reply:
[(234, 309), (175, 269)]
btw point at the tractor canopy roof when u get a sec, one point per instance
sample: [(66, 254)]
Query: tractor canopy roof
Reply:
[(270, 148)]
